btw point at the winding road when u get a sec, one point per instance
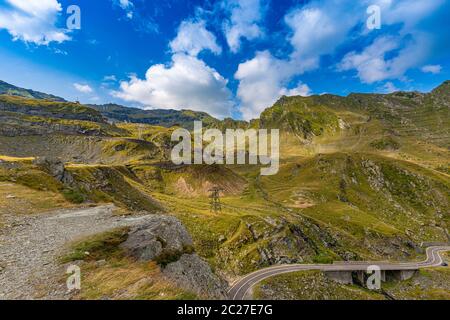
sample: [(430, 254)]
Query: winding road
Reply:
[(240, 289)]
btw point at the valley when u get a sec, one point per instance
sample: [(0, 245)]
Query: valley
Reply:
[(362, 178)]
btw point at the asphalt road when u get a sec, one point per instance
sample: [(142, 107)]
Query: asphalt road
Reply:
[(240, 288)]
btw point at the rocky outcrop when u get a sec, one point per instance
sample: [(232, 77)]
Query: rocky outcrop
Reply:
[(56, 169), (194, 274), (40, 108), (165, 240), (14, 125)]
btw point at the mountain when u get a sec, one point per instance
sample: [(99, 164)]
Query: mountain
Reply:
[(159, 117), (9, 89), (362, 177), (164, 118), (119, 113), (366, 119)]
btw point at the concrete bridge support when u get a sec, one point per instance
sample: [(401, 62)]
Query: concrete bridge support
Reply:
[(360, 277), (383, 276), (342, 277), (401, 275)]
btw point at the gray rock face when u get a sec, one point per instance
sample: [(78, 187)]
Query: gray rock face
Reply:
[(56, 168), (158, 237), (194, 274), (165, 240)]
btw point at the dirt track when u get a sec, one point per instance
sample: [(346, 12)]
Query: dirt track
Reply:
[(30, 246)]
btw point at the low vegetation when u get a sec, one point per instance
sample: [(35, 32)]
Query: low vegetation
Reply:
[(310, 285), (108, 273), (98, 247), (363, 177)]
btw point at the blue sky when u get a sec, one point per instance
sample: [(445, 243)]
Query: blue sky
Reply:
[(227, 57)]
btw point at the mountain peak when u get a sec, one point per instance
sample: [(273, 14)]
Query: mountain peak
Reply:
[(442, 90), (12, 90)]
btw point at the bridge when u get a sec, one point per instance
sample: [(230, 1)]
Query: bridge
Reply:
[(342, 272)]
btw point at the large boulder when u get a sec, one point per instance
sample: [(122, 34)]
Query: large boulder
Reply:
[(165, 240), (194, 274), (56, 168), (159, 238)]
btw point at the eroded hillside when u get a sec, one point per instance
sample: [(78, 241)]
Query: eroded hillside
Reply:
[(361, 177)]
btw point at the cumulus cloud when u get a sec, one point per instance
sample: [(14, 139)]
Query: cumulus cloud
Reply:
[(406, 12), (186, 83), (244, 21), (389, 87), (318, 30), (301, 89), (390, 57), (33, 21), (321, 28), (83, 88), (193, 37), (315, 31), (434, 69), (262, 80), (372, 64), (111, 78)]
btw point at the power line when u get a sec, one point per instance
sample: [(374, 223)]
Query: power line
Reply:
[(216, 205)]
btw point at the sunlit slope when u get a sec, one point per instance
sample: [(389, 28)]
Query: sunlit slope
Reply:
[(404, 125), (361, 177), (365, 195)]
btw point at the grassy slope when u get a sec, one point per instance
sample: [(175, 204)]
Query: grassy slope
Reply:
[(428, 284), (119, 277), (310, 285), (57, 109), (359, 179), (24, 189)]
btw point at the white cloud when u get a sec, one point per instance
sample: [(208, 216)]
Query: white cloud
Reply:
[(406, 12), (319, 30), (33, 21), (434, 69), (302, 89), (245, 16), (126, 5), (320, 27), (409, 47), (372, 65), (83, 88), (262, 80), (192, 38), (111, 78), (389, 87), (187, 83)]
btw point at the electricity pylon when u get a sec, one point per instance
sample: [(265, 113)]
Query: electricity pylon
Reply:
[(216, 206)]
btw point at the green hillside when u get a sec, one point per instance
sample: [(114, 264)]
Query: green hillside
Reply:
[(9, 89)]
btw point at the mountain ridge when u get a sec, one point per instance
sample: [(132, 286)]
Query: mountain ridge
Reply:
[(171, 117), (362, 177), (9, 89)]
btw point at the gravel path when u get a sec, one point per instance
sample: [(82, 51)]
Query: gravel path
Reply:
[(30, 246)]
